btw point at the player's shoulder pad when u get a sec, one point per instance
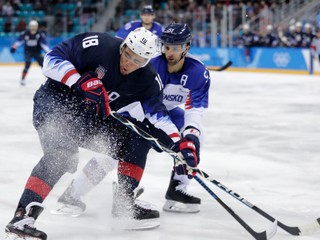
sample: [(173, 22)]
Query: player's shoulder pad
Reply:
[(197, 69), (154, 61), (23, 33), (157, 23), (132, 25), (195, 59)]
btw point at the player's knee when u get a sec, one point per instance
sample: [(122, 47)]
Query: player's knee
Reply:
[(53, 166)]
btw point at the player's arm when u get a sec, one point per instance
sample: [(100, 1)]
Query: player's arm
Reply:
[(58, 64), (43, 43), (62, 65), (159, 118), (17, 43), (194, 108), (71, 57), (197, 99)]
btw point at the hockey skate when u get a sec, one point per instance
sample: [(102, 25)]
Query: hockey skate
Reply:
[(69, 205), (22, 225), (23, 82), (129, 213), (178, 200)]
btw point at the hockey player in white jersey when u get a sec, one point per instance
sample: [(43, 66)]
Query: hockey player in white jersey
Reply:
[(186, 82)]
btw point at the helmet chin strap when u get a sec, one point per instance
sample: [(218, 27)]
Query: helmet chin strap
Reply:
[(184, 53)]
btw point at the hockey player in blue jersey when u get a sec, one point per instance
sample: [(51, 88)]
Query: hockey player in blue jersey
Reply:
[(34, 42), (147, 16), (186, 82), (88, 75)]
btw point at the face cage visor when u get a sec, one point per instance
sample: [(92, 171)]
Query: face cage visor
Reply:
[(175, 48), (133, 59)]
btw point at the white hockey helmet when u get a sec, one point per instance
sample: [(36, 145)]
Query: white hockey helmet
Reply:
[(298, 25), (269, 27), (33, 26), (246, 27), (307, 25), (292, 28), (33, 23), (142, 42)]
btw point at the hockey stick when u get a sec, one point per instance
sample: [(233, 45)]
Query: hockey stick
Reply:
[(224, 67), (259, 236), (306, 229), (262, 235)]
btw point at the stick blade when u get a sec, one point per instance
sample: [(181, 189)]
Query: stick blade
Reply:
[(272, 230), (268, 234), (228, 64), (224, 67), (310, 228)]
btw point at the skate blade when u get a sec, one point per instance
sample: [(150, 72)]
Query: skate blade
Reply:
[(13, 236), (67, 210), (178, 207), (134, 225)]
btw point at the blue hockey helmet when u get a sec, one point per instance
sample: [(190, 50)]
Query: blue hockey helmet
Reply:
[(147, 9), (176, 33)]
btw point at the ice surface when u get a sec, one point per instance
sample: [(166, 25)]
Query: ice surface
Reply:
[(262, 141)]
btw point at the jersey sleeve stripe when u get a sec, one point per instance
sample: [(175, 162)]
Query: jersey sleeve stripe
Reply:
[(175, 137), (158, 79), (188, 103), (68, 75)]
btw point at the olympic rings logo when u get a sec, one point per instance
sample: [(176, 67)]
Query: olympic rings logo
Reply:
[(281, 59)]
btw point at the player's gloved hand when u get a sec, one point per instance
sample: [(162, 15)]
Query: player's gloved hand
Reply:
[(193, 134), (13, 50), (188, 152), (91, 89)]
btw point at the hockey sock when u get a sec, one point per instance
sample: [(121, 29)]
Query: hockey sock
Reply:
[(24, 73), (91, 175), (129, 176), (36, 190), (81, 186)]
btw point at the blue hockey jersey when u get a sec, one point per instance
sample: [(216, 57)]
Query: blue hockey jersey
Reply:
[(188, 88), (130, 26), (32, 42)]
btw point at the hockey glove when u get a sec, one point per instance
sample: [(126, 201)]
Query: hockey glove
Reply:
[(193, 134), (91, 90), (188, 152), (13, 50)]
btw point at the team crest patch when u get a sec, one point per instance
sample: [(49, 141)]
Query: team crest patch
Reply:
[(101, 71)]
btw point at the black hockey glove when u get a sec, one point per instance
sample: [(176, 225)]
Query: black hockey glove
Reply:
[(91, 90), (188, 151), (13, 50)]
